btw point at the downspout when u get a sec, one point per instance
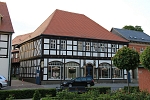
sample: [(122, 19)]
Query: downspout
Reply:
[(9, 64)]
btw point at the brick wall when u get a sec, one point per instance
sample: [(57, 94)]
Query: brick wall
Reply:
[(144, 79), (137, 46)]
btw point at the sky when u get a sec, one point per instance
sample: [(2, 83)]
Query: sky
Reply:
[(28, 15)]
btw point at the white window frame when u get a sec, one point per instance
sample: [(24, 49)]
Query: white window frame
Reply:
[(134, 48), (87, 46), (95, 47), (102, 46), (63, 44), (53, 44), (141, 50), (113, 48), (80, 45)]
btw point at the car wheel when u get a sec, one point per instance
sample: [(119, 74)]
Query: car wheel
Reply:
[(88, 85), (70, 85)]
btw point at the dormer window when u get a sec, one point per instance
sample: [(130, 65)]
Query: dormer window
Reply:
[(135, 37), (142, 38)]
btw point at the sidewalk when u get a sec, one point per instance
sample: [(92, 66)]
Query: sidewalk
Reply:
[(18, 84)]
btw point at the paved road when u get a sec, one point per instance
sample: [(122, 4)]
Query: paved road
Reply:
[(17, 84)]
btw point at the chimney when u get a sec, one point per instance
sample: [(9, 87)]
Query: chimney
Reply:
[(1, 17)]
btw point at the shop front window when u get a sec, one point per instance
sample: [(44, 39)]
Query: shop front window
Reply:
[(55, 70), (104, 70), (117, 73), (71, 70)]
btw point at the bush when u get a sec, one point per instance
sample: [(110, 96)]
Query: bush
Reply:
[(101, 90), (95, 95), (26, 93), (11, 97), (37, 95), (132, 89)]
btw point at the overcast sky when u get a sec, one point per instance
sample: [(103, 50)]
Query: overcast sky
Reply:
[(27, 15)]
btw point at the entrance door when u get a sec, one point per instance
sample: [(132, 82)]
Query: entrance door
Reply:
[(89, 70)]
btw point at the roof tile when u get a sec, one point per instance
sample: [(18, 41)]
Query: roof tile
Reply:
[(63, 23), (132, 35), (6, 25)]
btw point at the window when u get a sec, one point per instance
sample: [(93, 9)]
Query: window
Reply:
[(63, 44), (134, 48), (113, 48), (104, 70), (80, 45), (53, 44), (116, 72), (102, 46), (141, 50), (71, 70), (55, 70), (78, 79), (87, 46), (3, 45), (95, 47)]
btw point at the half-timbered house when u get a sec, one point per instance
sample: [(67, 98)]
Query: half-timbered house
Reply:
[(68, 45), (15, 60), (6, 31)]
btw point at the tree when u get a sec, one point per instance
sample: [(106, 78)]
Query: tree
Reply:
[(36, 95), (136, 28), (145, 58), (126, 58)]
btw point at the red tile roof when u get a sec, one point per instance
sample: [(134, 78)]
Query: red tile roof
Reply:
[(19, 39), (63, 23), (6, 25)]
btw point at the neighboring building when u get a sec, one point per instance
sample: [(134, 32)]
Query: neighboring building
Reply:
[(69, 42), (137, 41), (6, 31), (15, 63), (144, 79)]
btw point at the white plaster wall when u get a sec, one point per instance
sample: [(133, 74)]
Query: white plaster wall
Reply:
[(5, 63), (107, 61), (4, 67)]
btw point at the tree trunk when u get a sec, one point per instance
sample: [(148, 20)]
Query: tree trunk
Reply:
[(128, 80)]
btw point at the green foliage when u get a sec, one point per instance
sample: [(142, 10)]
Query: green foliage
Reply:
[(95, 95), (64, 94), (37, 95), (145, 58), (101, 90), (11, 97), (126, 58), (133, 89), (136, 28), (26, 93)]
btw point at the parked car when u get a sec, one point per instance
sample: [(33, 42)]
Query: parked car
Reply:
[(79, 81), (3, 81)]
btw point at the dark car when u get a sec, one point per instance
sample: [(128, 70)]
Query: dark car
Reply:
[(79, 81)]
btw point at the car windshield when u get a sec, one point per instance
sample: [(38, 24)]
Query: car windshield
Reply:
[(72, 78)]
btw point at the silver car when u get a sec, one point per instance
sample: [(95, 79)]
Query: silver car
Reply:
[(3, 81)]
